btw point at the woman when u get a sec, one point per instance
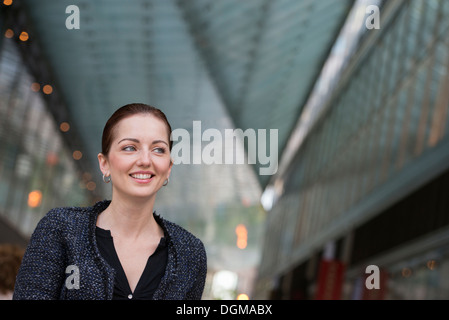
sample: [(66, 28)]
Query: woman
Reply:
[(118, 249)]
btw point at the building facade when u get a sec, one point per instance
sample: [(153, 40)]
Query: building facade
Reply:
[(368, 186)]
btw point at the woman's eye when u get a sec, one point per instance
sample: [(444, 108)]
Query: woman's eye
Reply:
[(129, 148), (159, 150)]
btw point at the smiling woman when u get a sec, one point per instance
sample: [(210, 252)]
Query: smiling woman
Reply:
[(137, 161), (122, 249)]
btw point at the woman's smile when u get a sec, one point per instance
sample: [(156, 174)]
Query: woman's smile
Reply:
[(142, 176)]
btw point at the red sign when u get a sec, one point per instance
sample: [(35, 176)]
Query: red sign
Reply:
[(330, 280)]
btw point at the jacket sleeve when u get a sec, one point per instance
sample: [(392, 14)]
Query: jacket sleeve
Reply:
[(41, 274), (197, 289)]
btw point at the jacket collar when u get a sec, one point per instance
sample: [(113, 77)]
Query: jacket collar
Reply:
[(169, 233)]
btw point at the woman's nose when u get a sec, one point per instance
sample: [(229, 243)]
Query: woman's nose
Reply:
[(144, 159)]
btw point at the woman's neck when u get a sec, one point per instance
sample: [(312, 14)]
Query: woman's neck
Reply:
[(129, 218)]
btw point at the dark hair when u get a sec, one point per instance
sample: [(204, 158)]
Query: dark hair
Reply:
[(10, 260), (125, 112)]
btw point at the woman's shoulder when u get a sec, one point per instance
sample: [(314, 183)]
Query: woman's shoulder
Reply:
[(72, 215)]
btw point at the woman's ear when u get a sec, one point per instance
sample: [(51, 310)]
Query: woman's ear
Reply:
[(103, 164), (169, 168)]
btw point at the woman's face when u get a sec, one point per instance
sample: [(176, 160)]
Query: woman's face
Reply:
[(139, 158)]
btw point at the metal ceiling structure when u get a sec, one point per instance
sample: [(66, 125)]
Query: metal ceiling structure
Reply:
[(229, 64), (264, 56)]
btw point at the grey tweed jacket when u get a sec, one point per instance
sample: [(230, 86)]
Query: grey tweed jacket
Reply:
[(66, 237)]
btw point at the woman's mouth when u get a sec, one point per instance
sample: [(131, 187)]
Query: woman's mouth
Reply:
[(142, 177)]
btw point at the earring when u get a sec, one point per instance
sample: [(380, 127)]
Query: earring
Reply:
[(105, 179), (165, 182)]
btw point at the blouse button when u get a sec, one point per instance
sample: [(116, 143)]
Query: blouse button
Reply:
[(130, 296)]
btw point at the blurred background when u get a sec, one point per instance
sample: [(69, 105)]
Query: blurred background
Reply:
[(359, 94)]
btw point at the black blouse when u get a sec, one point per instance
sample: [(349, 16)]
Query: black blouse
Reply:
[(150, 278)]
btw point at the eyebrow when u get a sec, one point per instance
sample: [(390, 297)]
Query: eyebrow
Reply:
[(137, 141)]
